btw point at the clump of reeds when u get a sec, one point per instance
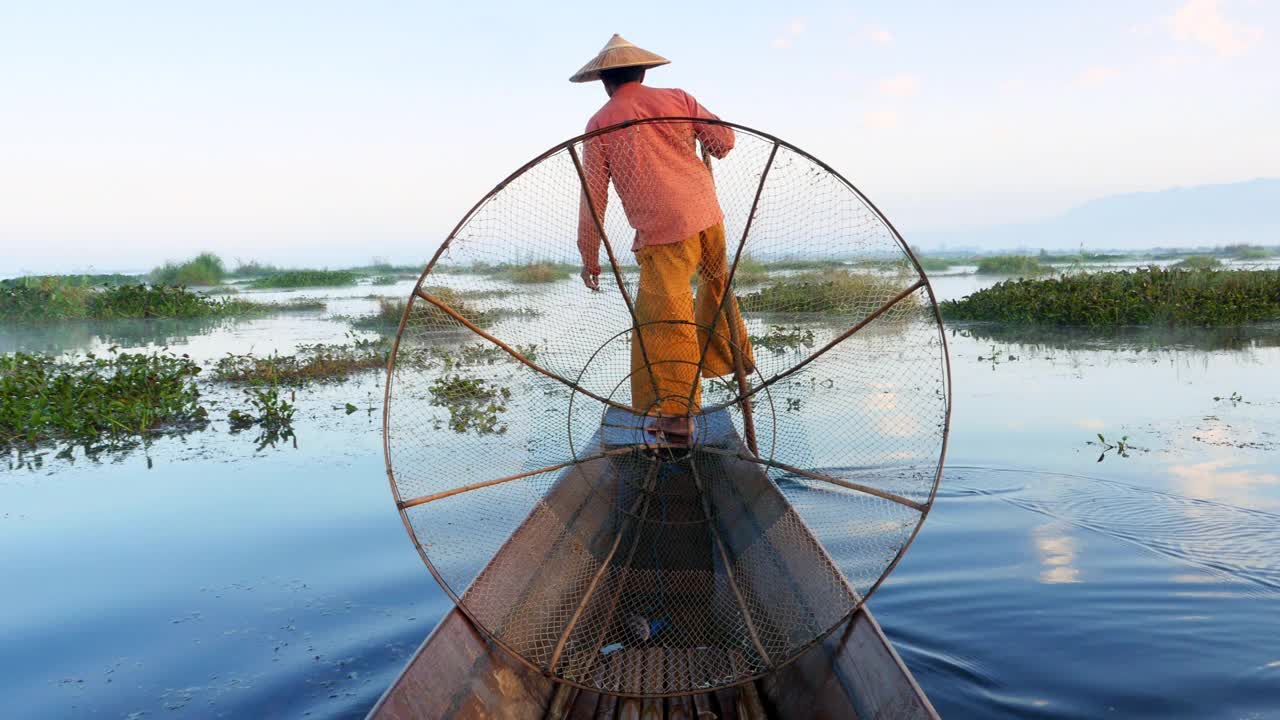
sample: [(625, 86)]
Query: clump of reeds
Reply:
[(1145, 296), (203, 269)]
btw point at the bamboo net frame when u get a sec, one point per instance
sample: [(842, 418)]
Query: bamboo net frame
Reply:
[(523, 470)]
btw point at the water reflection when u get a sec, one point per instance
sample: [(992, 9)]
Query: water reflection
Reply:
[(1057, 550), (1222, 480), (79, 335), (1239, 338)]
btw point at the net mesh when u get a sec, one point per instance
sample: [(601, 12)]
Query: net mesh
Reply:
[(538, 433)]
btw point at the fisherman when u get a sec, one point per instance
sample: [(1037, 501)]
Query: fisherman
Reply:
[(670, 200)]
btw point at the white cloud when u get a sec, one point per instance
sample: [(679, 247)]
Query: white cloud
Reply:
[(1202, 22), (880, 119), (880, 36), (793, 30), (902, 85), (1096, 75)]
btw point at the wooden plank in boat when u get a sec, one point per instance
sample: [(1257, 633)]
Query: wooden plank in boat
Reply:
[(458, 674), (854, 673)]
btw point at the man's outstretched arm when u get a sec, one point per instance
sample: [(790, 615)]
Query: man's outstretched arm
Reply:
[(596, 169)]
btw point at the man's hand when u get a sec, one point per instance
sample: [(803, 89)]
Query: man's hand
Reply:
[(590, 279)]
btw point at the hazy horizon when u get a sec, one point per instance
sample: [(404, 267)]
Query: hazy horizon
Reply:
[(310, 135)]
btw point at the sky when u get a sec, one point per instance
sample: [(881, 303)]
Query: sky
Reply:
[(326, 133)]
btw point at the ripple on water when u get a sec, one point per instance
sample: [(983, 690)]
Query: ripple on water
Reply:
[(1238, 543)]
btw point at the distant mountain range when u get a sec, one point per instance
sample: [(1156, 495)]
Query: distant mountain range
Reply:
[(1198, 216)]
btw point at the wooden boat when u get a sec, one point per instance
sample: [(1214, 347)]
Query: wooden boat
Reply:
[(461, 672)]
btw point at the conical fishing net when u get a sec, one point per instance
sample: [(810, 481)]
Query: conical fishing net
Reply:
[(533, 427)]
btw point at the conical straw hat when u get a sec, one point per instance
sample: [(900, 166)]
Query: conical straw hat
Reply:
[(617, 53)]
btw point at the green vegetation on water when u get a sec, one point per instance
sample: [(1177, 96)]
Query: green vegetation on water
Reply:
[(203, 269), (782, 339), (52, 301), (254, 269), (935, 264), (311, 363), (1198, 262), (1083, 256), (1012, 265), (1248, 252), (473, 403), (534, 273), (118, 396), (271, 413), (793, 263), (830, 291), (427, 316), (1145, 296), (306, 278), (750, 271), (86, 280)]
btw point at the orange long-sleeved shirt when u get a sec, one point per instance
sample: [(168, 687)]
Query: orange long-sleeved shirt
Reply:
[(666, 191)]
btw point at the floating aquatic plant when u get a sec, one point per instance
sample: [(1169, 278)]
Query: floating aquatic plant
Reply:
[(781, 339), (1145, 296), (306, 278), (96, 398), (473, 403), (1012, 265)]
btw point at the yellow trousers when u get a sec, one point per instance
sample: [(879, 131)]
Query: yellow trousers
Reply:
[(674, 326)]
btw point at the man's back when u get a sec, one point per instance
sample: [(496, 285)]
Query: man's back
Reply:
[(666, 191)]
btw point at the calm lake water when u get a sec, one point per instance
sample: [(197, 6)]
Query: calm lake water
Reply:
[(202, 577)]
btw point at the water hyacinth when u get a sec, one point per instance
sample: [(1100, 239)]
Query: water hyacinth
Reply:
[(112, 397), (306, 278), (1146, 296)]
